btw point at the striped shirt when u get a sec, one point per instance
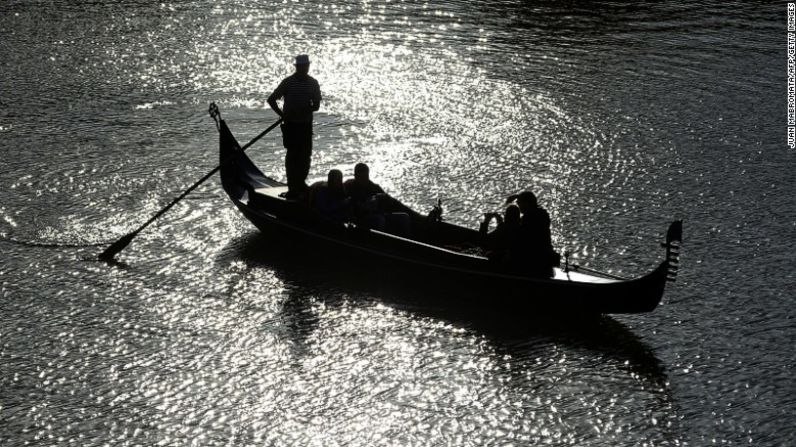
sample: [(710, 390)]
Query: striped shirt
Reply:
[(302, 96)]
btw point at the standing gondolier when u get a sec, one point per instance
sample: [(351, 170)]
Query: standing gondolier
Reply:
[(302, 96)]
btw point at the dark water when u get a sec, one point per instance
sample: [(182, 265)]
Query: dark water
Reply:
[(621, 116)]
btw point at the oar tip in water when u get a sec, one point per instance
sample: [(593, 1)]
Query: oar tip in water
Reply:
[(110, 253)]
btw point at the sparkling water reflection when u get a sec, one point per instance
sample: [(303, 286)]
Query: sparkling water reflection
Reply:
[(620, 116)]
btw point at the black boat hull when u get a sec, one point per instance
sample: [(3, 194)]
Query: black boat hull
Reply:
[(459, 279)]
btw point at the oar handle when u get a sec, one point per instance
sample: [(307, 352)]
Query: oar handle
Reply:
[(262, 134)]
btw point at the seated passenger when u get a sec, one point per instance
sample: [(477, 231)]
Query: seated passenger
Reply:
[(328, 198), (361, 188), (366, 200), (373, 208), (362, 192), (499, 242), (533, 252)]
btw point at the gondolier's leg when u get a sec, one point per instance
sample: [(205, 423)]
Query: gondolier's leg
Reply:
[(293, 162), (297, 139), (303, 168)]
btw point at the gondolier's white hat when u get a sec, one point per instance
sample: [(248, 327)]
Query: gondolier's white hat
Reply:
[(302, 59)]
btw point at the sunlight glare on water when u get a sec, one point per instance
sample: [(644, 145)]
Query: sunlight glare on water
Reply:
[(621, 117)]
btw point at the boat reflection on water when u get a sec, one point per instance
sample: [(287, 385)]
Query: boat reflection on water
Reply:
[(308, 281)]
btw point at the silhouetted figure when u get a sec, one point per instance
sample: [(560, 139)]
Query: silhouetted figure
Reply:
[(302, 96), (373, 208), (328, 198), (533, 252), (499, 243), (361, 188), (365, 198)]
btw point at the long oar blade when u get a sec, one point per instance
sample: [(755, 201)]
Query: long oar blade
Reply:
[(116, 247)]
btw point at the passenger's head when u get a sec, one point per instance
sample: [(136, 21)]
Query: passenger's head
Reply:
[(335, 178), (512, 215), (302, 64), (361, 172), (526, 201)]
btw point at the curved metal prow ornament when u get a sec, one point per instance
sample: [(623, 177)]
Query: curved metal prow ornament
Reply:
[(215, 114), (674, 237)]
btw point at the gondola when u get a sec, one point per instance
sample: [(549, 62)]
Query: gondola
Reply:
[(432, 255)]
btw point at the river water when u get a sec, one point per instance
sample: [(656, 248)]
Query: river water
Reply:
[(622, 117)]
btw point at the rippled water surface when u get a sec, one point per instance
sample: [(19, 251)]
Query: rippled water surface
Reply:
[(622, 117)]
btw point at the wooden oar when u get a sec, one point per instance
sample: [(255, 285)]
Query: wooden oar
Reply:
[(125, 240)]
